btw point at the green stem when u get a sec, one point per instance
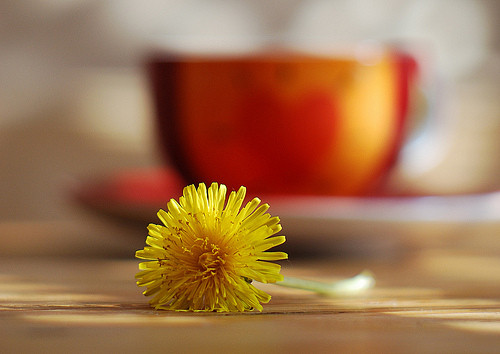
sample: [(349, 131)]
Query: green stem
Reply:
[(356, 284)]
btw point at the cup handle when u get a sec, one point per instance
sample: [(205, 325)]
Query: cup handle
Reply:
[(427, 140)]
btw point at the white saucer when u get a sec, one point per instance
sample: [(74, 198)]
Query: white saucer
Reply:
[(311, 219)]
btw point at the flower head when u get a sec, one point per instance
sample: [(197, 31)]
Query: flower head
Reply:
[(206, 254)]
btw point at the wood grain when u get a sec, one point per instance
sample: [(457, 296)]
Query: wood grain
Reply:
[(433, 301)]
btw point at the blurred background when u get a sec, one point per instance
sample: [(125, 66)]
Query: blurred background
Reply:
[(74, 100)]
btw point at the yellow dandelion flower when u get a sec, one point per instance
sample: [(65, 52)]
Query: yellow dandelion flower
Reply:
[(206, 254)]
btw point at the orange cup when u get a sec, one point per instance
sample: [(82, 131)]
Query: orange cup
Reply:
[(283, 123)]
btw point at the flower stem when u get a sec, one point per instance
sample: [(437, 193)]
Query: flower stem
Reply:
[(356, 284)]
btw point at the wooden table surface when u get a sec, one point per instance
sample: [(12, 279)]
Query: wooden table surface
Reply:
[(436, 299)]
